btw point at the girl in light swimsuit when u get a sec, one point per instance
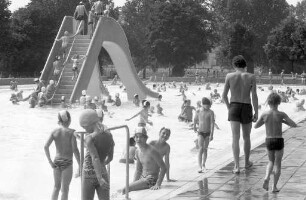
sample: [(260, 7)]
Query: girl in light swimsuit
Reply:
[(66, 146), (143, 115)]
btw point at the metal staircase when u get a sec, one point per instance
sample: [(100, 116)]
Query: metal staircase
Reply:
[(80, 46)]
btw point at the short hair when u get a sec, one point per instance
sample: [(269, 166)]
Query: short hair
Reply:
[(206, 101), (239, 61), (132, 141), (164, 128), (274, 99)]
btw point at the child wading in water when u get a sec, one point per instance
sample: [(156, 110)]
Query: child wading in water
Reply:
[(66, 146), (143, 115), (206, 120), (273, 120)]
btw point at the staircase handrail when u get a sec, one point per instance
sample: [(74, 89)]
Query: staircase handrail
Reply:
[(67, 57)]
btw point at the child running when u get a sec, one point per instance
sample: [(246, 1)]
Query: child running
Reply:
[(66, 145), (143, 115), (206, 120), (273, 120)]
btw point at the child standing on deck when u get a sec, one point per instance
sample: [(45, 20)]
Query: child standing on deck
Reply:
[(66, 146), (205, 118), (273, 120)]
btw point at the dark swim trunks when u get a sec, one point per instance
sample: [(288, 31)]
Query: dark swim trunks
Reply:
[(123, 160), (204, 134), (62, 163), (275, 144), (151, 181), (240, 112)]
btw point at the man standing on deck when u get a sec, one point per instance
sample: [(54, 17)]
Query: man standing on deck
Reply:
[(241, 84)]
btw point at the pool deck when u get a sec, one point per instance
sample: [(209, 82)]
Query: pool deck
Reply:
[(221, 183)]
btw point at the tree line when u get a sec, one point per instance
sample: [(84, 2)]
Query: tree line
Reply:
[(167, 33)]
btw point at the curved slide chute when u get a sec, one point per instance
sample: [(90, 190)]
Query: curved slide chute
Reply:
[(111, 36)]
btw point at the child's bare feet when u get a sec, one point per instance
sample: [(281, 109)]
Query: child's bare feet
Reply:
[(275, 189), (266, 185), (236, 171), (248, 165)]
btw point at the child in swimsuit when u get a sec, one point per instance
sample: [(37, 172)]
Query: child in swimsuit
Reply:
[(273, 120), (143, 115), (66, 146), (75, 66), (132, 152), (136, 100), (205, 118), (65, 41)]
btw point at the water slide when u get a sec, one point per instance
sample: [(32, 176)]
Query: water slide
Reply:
[(110, 35)]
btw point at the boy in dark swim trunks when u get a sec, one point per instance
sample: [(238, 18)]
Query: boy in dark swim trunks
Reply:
[(241, 85), (205, 118), (273, 120), (150, 167), (66, 146)]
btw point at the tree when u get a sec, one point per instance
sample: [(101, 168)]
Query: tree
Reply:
[(135, 19), (180, 34), (258, 16), (287, 44), (300, 10), (4, 34)]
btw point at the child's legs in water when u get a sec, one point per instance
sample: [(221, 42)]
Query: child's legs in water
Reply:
[(66, 180), (57, 174), (278, 164)]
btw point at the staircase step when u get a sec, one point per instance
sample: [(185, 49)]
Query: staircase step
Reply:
[(81, 45), (67, 81), (63, 91), (70, 87), (79, 52), (82, 37), (77, 41), (76, 48)]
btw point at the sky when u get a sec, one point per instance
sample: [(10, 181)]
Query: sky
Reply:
[(15, 4)]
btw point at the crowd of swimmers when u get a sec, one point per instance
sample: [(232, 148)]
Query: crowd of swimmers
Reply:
[(152, 159)]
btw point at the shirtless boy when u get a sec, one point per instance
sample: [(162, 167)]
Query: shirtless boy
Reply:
[(205, 118), (241, 85), (66, 145), (273, 120), (163, 148), (150, 167)]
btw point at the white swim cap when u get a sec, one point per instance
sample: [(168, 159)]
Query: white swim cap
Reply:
[(51, 82), (43, 89), (142, 131), (84, 92), (88, 117)]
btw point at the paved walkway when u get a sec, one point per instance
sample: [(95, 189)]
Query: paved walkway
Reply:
[(222, 184)]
